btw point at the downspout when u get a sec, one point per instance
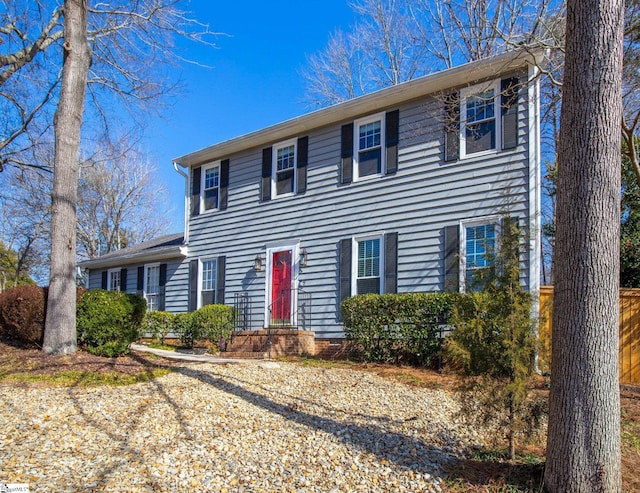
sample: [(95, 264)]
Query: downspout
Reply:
[(186, 200)]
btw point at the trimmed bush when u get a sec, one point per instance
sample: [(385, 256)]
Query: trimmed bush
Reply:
[(213, 322), (22, 314), (109, 321), (397, 327), (157, 324), (183, 326)]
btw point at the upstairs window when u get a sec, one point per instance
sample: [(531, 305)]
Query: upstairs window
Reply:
[(479, 125), (211, 188), (368, 149), (284, 173)]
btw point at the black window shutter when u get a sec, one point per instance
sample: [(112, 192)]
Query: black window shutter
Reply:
[(452, 258), (452, 126), (105, 282), (509, 110), (222, 261), (391, 263), (303, 156), (162, 281), (265, 188), (224, 184), (140, 281), (193, 285), (346, 163), (392, 129), (195, 190), (345, 272), (123, 280)]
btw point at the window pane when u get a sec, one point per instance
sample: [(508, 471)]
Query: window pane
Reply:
[(370, 135), (211, 186), (369, 258), (369, 162), (211, 199), (480, 107), (208, 275), (114, 284), (284, 182), (286, 158), (480, 246), (211, 178), (370, 285), (481, 136), (153, 280)]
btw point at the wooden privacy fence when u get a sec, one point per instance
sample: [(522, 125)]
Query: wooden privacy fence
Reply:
[(629, 349)]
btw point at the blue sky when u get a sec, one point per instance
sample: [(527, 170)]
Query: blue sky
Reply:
[(253, 81)]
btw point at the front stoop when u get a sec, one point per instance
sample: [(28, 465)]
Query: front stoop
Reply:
[(284, 342)]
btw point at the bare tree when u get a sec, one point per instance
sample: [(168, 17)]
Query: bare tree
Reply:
[(60, 323), (115, 54), (120, 201), (25, 219), (583, 444), (378, 51)]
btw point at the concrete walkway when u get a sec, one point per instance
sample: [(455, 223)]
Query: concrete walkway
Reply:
[(185, 355)]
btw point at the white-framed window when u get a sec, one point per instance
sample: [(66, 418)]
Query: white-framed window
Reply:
[(152, 286), (478, 243), (368, 277), (284, 169), (208, 281), (211, 187), (114, 280), (480, 119), (369, 147)]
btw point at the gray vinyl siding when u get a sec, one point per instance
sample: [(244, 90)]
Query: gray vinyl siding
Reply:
[(175, 288), (418, 202)]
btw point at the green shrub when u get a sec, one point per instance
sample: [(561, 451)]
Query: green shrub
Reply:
[(22, 314), (186, 330), (213, 322), (157, 324), (397, 327), (109, 321)]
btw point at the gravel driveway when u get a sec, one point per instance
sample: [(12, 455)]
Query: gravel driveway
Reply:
[(236, 428)]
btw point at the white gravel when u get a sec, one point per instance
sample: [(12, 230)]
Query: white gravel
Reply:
[(233, 428)]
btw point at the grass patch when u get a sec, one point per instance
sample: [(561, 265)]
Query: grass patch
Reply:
[(73, 378), (631, 435), (489, 471), (158, 345)]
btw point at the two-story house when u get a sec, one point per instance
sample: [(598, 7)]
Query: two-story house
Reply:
[(401, 190)]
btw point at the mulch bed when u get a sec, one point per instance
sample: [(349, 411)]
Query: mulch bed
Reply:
[(37, 362)]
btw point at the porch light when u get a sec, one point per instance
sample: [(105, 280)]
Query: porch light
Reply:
[(258, 263), (304, 257)]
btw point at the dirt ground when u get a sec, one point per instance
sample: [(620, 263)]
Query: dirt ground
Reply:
[(482, 474)]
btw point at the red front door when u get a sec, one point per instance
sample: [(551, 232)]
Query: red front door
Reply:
[(281, 287)]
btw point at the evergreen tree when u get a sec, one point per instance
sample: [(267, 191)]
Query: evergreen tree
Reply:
[(493, 343)]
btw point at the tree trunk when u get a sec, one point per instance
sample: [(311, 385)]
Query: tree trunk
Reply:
[(583, 445), (60, 325)]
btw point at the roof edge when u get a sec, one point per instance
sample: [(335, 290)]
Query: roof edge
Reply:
[(463, 74), (155, 255)]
